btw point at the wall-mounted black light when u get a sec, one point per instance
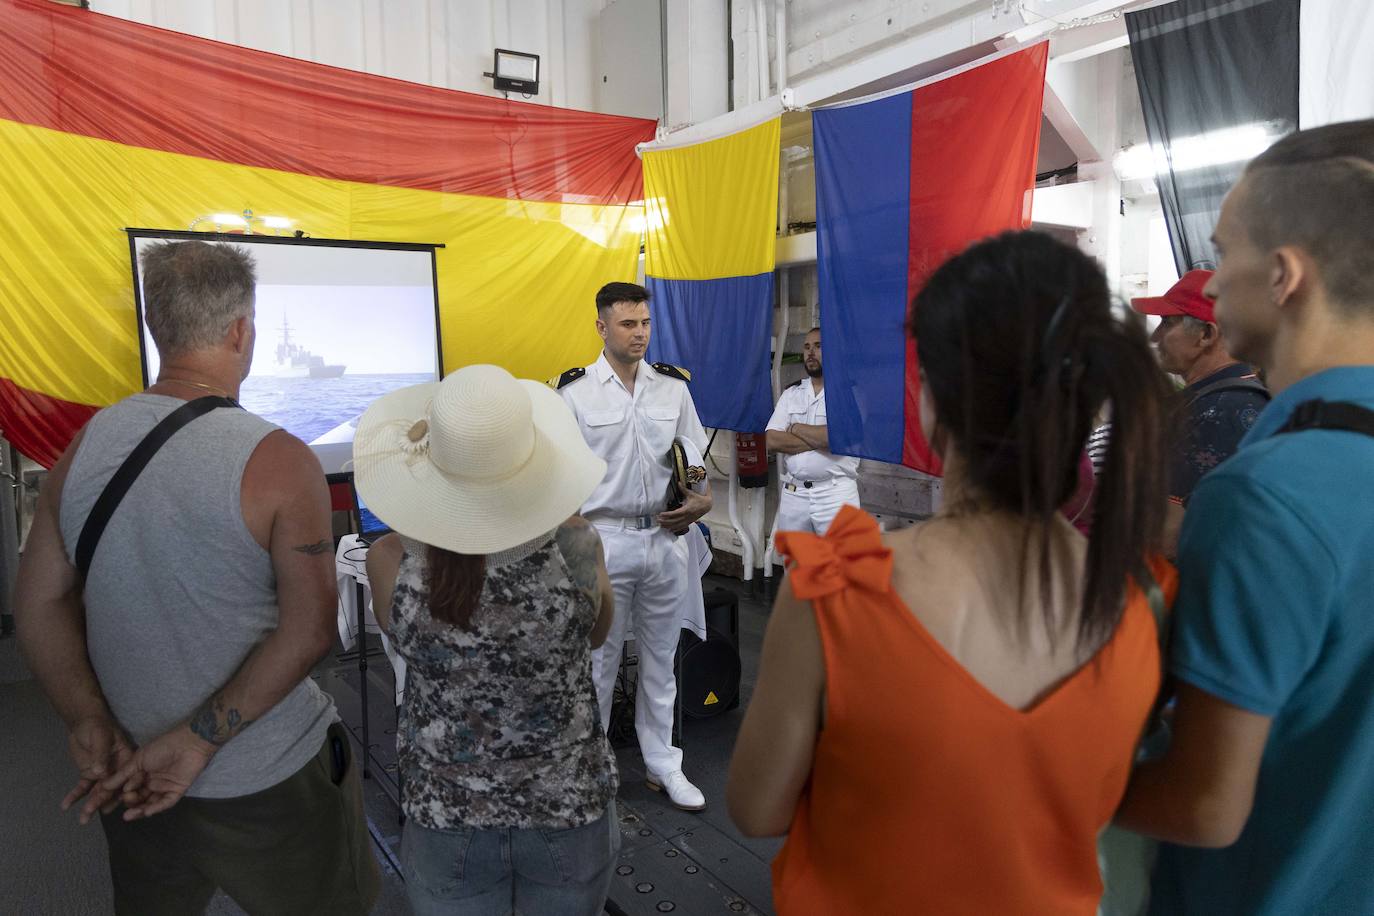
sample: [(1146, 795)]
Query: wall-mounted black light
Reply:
[(515, 71)]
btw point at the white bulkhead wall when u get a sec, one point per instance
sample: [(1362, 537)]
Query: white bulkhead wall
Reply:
[(446, 43)]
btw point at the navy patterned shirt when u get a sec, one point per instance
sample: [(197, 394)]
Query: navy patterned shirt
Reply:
[(1212, 427), (500, 725)]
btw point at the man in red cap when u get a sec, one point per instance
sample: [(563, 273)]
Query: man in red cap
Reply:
[(1223, 397)]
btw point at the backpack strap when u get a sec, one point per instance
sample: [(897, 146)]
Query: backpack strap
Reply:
[(1250, 383), (1338, 415), (1154, 596), (1155, 734), (128, 472)]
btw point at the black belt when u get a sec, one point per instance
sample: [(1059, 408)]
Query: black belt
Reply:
[(807, 484)]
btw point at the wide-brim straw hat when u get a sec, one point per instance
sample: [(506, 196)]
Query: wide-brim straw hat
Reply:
[(478, 463)]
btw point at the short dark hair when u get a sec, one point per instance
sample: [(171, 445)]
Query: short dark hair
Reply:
[(612, 293), (1020, 349), (1315, 189)]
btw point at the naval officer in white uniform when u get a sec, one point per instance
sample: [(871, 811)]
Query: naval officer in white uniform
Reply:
[(630, 412), (815, 483)]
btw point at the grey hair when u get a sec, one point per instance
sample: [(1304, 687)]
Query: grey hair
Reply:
[(1196, 325), (193, 291)]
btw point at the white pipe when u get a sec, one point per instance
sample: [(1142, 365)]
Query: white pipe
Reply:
[(761, 47), (780, 40), (663, 54), (768, 555), (756, 531), (766, 542), (784, 217), (752, 55), (746, 542), (784, 327)]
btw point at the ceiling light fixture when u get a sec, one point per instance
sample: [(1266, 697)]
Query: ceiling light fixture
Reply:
[(1217, 147)]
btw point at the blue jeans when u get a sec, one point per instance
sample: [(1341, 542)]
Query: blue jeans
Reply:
[(504, 870)]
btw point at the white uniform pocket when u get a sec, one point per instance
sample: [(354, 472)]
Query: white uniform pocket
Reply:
[(605, 432), (660, 428)]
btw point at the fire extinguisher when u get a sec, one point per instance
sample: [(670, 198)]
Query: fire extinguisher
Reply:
[(751, 459)]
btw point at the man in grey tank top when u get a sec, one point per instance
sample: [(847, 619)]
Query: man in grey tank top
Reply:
[(181, 663)]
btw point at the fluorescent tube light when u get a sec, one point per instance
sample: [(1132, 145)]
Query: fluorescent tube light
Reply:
[(1218, 147)]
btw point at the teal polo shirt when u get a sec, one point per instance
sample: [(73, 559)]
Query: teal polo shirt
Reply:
[(1275, 614)]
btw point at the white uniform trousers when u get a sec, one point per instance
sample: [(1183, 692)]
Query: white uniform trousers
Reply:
[(815, 508), (650, 577)]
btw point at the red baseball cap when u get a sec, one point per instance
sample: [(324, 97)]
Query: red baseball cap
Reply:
[(1183, 298)]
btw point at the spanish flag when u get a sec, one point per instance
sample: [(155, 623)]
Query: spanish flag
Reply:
[(709, 253), (107, 124)]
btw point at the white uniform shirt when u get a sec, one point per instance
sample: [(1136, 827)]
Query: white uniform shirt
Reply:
[(799, 404), (632, 434)]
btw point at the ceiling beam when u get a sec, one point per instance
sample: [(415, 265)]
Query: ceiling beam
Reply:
[(1068, 128)]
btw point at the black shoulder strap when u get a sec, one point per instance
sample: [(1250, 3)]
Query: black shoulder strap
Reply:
[(1232, 384), (128, 472), (567, 378), (1339, 415), (677, 372)]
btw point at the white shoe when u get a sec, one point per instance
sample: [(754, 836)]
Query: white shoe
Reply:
[(680, 791)]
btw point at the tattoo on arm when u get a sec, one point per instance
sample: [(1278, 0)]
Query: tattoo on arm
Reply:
[(579, 542), (312, 550), (216, 724)]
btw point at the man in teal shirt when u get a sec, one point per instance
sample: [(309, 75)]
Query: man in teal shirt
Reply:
[(1272, 760)]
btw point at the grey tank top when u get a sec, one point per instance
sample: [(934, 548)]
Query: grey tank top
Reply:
[(179, 592)]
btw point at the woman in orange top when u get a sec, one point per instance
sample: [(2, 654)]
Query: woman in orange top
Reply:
[(946, 715)]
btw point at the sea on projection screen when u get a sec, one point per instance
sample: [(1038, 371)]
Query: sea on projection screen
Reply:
[(337, 327)]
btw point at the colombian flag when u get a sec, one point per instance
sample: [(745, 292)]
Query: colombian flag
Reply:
[(107, 124), (709, 253), (903, 182)]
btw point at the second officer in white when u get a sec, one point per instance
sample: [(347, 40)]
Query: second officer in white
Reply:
[(815, 483), (630, 412)]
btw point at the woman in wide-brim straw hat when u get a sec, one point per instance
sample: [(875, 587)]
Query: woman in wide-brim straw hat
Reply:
[(495, 593)]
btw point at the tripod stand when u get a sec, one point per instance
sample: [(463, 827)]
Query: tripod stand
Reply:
[(621, 731)]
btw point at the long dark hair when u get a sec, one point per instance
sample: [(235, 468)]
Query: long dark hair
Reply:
[(455, 582), (1020, 349)]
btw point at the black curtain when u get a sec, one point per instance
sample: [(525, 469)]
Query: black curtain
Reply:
[(1204, 66)]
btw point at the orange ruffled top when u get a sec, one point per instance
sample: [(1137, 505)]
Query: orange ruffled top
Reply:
[(928, 794)]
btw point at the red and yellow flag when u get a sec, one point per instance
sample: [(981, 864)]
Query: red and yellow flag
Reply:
[(107, 124)]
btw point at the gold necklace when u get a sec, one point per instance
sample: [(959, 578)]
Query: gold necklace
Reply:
[(185, 381)]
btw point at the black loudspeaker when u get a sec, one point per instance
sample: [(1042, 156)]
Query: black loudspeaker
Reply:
[(708, 672), (722, 614)]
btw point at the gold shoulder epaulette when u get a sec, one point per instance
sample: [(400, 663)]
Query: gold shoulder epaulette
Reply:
[(567, 378), (677, 372)]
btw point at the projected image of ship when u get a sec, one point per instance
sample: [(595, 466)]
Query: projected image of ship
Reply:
[(295, 361)]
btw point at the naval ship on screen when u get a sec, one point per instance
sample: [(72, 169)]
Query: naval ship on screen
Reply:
[(295, 361)]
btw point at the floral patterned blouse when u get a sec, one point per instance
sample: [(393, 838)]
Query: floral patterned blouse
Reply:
[(500, 726)]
